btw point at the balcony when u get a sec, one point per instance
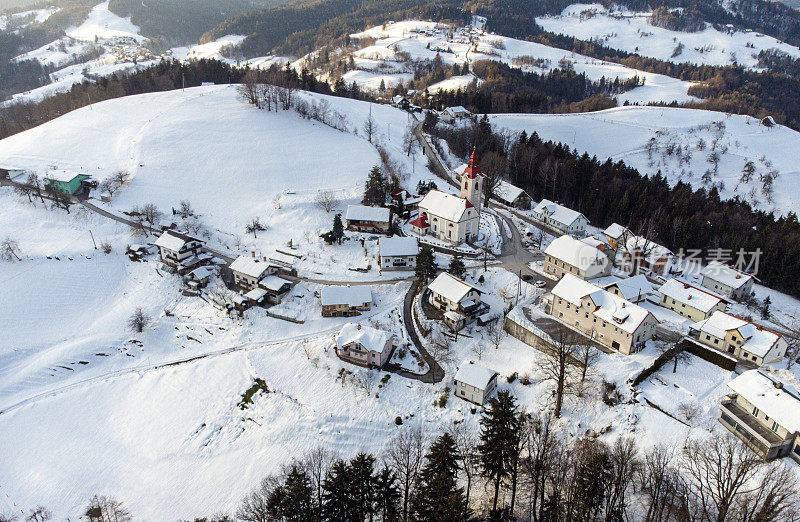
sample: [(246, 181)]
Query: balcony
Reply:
[(757, 437)]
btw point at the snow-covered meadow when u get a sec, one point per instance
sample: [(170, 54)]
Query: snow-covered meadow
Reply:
[(395, 44), (621, 29), (682, 144)]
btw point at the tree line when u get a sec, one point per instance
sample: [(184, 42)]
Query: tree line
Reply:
[(677, 217), (518, 466)]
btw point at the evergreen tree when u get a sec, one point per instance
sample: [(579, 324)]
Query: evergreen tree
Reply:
[(426, 264), (591, 474), (500, 432), (337, 499), (765, 311), (375, 188), (457, 267), (387, 495), (439, 499), (292, 500), (338, 229), (363, 486)]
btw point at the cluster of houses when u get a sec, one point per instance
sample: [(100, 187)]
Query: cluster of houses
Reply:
[(763, 411)]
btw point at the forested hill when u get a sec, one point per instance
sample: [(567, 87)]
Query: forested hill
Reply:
[(300, 26), (180, 22)]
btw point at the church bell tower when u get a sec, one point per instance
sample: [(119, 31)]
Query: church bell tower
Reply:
[(472, 182)]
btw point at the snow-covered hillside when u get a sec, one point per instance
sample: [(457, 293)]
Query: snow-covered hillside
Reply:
[(394, 46), (683, 144), (631, 31)]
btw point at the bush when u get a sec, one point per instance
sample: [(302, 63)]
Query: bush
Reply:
[(398, 420), (512, 377), (247, 397)]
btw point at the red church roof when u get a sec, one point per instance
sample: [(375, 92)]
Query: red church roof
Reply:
[(421, 222), (473, 170)]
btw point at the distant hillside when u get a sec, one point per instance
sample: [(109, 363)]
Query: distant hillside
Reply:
[(182, 21)]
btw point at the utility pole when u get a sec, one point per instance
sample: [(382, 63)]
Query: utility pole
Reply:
[(519, 284), (93, 241)]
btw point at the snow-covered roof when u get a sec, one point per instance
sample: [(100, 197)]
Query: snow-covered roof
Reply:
[(651, 251), (273, 283), (507, 192), (447, 206), (559, 213), (63, 175), (450, 287), (398, 246), (370, 338), (576, 253), (633, 287), (609, 307), (475, 375), (776, 398), (202, 272), (757, 340), (250, 266), (593, 241), (615, 230), (454, 316), (725, 275), (282, 259), (364, 213), (693, 296), (172, 240), (349, 295), (256, 294), (457, 110)]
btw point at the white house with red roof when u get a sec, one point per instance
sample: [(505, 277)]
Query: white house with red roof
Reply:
[(740, 338), (450, 218)]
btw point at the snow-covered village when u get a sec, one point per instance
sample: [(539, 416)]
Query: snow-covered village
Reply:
[(434, 268)]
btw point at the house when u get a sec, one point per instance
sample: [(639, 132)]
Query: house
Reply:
[(602, 316), (764, 412), (643, 255), (199, 277), (401, 102), (689, 301), (10, 173), (453, 114), (474, 383), (345, 301), (727, 281), (561, 218), (634, 289), (449, 293), (512, 196), (179, 250), (66, 182), (453, 219), (742, 339), (364, 345), (276, 288), (249, 270), (360, 218), (616, 235), (398, 253), (567, 255), (403, 202)]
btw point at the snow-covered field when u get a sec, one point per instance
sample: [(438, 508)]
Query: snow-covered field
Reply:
[(385, 59), (631, 31), (680, 143)]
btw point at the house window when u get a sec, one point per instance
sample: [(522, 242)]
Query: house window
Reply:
[(755, 411), (775, 426)]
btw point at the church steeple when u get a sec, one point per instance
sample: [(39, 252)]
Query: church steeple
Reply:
[(472, 181)]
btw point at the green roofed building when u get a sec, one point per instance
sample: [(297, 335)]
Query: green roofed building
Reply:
[(65, 182)]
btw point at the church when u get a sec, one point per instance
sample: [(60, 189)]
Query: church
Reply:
[(450, 218)]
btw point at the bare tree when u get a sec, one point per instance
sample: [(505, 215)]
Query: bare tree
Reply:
[(776, 498), (317, 463), (408, 140), (326, 200), (367, 380), (138, 321), (718, 471), (441, 348), (150, 215), (115, 182), (478, 349), (587, 355), (185, 209), (466, 445), (495, 333), (248, 90), (255, 506), (106, 509), (659, 481), (559, 363), (9, 250), (541, 468), (405, 455), (254, 227), (494, 166), (35, 185), (624, 460), (106, 247)]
